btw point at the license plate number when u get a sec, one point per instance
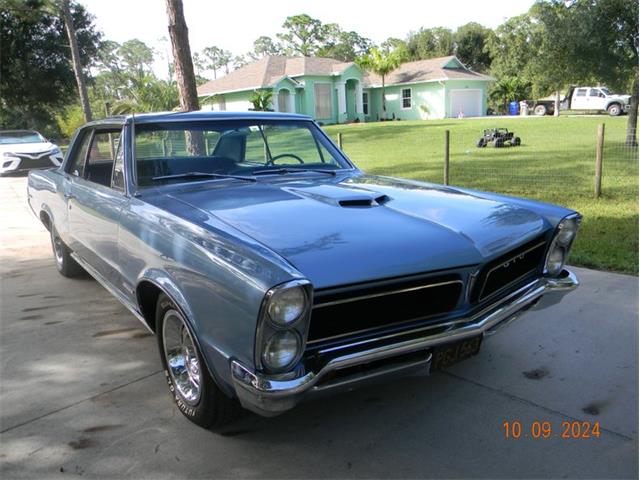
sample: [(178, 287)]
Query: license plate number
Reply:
[(449, 354)]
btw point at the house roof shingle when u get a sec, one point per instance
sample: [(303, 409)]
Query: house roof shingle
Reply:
[(268, 70), (425, 71)]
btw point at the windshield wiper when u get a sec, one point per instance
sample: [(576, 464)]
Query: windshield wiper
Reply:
[(202, 175), (284, 171)]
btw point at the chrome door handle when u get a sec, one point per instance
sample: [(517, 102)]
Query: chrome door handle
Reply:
[(69, 195)]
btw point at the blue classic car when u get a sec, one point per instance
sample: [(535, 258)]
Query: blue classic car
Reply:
[(270, 268)]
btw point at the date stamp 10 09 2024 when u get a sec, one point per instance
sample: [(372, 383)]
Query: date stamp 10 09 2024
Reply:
[(568, 429)]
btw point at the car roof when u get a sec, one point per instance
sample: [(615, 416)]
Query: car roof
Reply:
[(17, 131), (198, 115)]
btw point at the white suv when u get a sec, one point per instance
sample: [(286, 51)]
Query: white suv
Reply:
[(22, 150)]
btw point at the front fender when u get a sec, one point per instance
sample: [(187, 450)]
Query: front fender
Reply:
[(215, 360)]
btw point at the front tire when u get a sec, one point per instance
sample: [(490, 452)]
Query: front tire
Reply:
[(614, 109), (192, 388), (65, 264), (540, 110)]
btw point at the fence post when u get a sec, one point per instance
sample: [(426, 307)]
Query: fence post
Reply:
[(340, 140), (446, 157), (599, 149)]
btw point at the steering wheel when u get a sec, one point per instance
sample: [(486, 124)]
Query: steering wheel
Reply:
[(282, 155)]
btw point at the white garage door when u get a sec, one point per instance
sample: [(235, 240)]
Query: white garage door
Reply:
[(467, 103)]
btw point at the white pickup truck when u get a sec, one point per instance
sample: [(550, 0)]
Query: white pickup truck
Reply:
[(585, 98)]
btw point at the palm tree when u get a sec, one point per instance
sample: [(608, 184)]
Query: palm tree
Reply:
[(261, 100), (67, 18), (183, 65), (382, 63), (509, 89)]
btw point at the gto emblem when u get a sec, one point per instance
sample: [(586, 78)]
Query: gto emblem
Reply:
[(513, 260)]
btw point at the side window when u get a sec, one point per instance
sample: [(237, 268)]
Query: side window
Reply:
[(594, 93), (117, 181), (581, 92), (77, 161), (101, 157)]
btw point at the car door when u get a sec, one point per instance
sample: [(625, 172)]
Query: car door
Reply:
[(580, 99), (596, 99), (95, 206)]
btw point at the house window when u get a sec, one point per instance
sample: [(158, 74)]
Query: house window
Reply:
[(406, 98), (222, 106), (365, 103), (323, 100)]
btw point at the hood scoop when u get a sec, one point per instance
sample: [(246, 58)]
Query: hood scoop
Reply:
[(341, 196), (364, 202)]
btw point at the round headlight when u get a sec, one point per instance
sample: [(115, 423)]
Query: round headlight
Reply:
[(287, 306), (555, 259), (567, 231), (280, 350)]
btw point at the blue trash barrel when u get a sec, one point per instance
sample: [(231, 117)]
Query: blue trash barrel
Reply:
[(514, 108)]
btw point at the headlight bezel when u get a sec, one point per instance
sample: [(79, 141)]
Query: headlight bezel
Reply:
[(267, 327), (562, 244)]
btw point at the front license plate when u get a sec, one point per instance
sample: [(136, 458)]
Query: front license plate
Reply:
[(451, 353)]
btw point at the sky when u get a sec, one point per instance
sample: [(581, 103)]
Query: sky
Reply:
[(234, 25)]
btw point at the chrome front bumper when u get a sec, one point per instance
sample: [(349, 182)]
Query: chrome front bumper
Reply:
[(271, 395)]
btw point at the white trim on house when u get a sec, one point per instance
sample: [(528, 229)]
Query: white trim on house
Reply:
[(443, 79), (224, 92), (453, 90), (341, 89)]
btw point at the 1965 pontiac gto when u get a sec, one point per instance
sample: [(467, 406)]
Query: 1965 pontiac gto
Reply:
[(270, 268)]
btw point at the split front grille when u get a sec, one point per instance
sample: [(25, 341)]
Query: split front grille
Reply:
[(508, 269), (354, 310), (28, 161)]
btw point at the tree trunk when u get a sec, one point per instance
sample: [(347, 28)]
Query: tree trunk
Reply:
[(183, 65), (384, 103), (632, 122), (556, 104), (75, 58)]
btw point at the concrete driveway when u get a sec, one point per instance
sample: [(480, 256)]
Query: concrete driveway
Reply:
[(82, 393)]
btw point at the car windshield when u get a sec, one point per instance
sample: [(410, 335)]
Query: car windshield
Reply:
[(20, 136), (183, 152)]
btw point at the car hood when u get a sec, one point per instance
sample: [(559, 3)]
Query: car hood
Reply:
[(30, 148), (356, 228), (615, 96)]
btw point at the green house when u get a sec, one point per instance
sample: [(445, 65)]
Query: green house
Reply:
[(332, 91)]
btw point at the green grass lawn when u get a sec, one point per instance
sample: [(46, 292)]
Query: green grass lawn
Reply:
[(555, 163)]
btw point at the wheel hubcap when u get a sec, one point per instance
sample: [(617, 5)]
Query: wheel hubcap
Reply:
[(57, 248), (182, 359)]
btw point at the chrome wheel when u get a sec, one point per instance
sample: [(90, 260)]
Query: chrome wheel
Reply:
[(181, 356), (58, 249)]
